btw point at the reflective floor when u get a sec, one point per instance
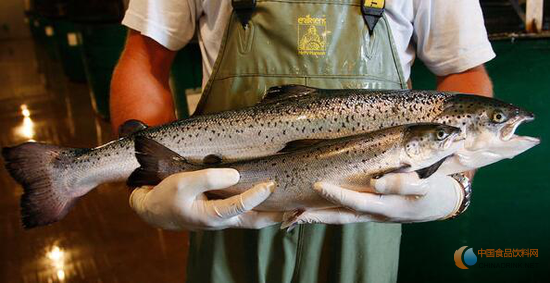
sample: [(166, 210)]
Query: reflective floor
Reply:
[(101, 240)]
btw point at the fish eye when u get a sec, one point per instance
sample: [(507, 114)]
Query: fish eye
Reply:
[(441, 135), (499, 117)]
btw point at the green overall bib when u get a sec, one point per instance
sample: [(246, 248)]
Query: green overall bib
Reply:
[(317, 43)]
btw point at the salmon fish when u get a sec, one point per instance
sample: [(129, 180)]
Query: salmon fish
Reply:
[(54, 177), (349, 162)]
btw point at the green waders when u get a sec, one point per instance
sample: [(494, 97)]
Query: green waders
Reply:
[(316, 43)]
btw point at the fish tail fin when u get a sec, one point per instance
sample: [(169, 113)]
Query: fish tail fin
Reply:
[(37, 166), (156, 163)]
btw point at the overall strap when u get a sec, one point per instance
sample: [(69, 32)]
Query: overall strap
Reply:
[(372, 11), (244, 10)]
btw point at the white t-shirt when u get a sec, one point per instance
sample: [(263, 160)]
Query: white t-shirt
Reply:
[(449, 36)]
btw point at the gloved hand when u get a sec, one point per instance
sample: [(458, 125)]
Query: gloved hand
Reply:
[(179, 202), (401, 198)]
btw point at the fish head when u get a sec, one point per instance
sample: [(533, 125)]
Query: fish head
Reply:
[(426, 144), (488, 127)]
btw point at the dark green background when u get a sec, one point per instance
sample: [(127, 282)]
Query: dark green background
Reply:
[(511, 199)]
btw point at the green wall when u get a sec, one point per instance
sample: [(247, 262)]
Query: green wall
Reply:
[(511, 199)]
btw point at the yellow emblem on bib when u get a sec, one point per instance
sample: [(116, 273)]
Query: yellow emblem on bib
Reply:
[(312, 35)]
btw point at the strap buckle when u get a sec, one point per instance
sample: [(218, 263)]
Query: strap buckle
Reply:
[(244, 10), (372, 10)]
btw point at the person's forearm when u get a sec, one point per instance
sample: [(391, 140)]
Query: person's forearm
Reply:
[(475, 80), (139, 87)]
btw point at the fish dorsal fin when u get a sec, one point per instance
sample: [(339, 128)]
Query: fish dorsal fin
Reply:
[(212, 159), (156, 162), (130, 127), (283, 92), (300, 144), (428, 171)]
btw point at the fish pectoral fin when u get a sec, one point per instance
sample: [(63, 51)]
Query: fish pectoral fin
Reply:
[(399, 169), (428, 171), (212, 159), (290, 218), (283, 92), (156, 163), (130, 127), (300, 144)]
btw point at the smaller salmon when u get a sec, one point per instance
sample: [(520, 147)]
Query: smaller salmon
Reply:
[(349, 162)]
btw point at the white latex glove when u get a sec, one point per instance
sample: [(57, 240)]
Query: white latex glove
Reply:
[(402, 198), (179, 202)]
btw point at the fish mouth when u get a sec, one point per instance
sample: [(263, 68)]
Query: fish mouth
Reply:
[(507, 133), (453, 138)]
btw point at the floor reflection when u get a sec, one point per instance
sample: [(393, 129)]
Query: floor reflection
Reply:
[(101, 240), (26, 130)]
